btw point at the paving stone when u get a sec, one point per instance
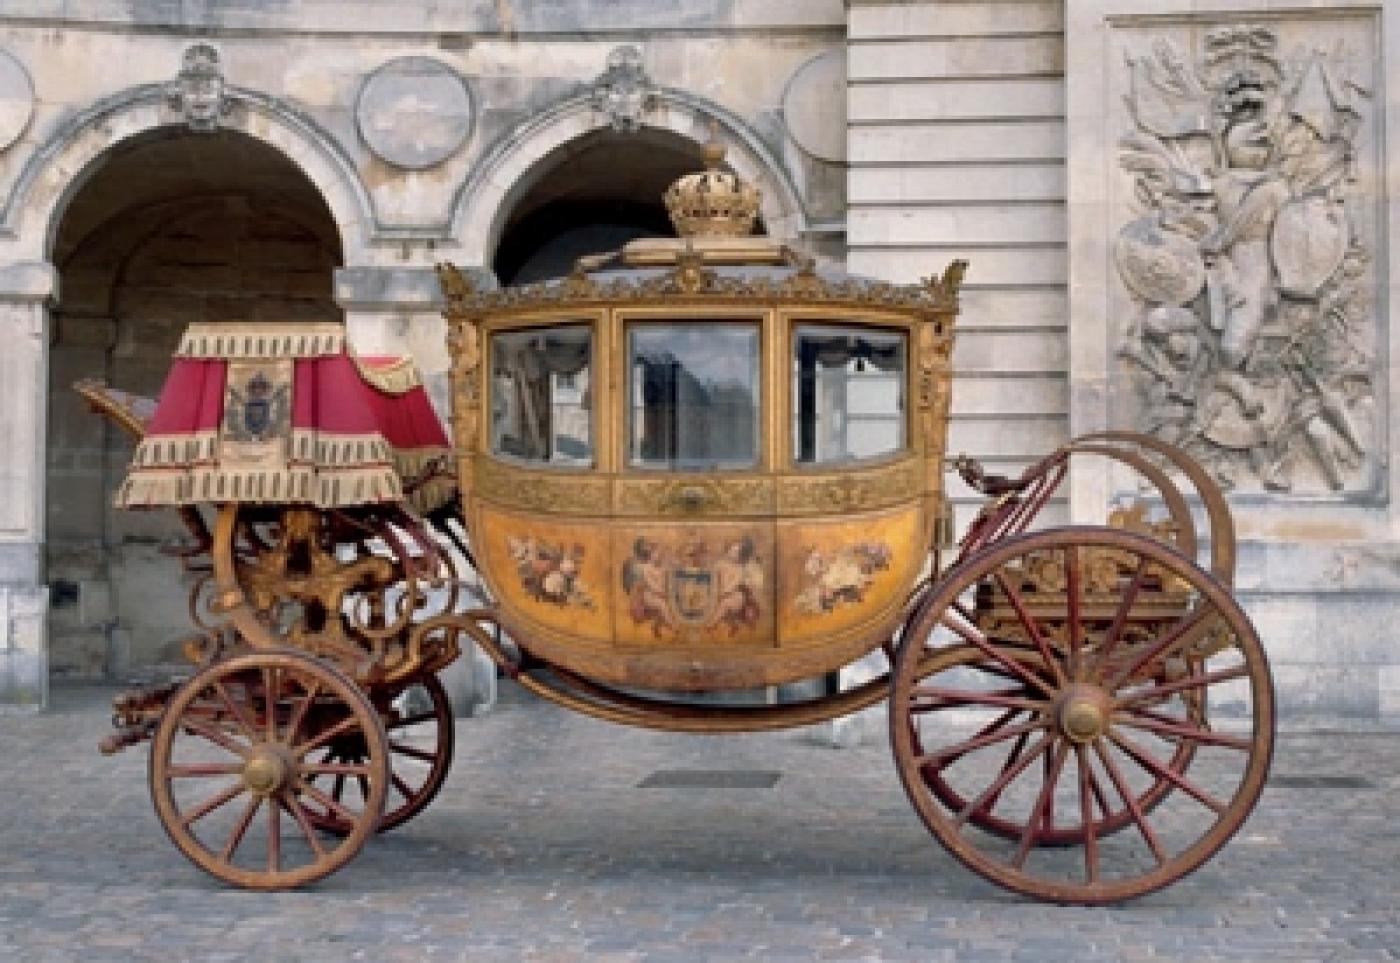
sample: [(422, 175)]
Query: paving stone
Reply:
[(541, 848)]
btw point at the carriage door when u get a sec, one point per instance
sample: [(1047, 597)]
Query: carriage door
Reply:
[(697, 558)]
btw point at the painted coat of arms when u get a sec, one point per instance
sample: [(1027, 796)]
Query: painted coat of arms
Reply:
[(257, 412), (1249, 264), (693, 585)]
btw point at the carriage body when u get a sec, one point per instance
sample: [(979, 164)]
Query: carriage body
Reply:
[(696, 477)]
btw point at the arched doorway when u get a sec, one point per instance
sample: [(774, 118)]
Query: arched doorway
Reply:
[(173, 227), (591, 195)]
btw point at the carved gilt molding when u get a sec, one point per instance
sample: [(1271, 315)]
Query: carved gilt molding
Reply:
[(694, 497), (851, 491), (542, 491)]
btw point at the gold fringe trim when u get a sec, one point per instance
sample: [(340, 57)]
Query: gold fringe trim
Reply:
[(253, 339), (328, 472), (398, 377)]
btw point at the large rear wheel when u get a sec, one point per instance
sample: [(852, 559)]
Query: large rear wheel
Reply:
[(1053, 689)]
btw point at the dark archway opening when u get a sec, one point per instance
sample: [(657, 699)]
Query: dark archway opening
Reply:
[(172, 228), (592, 195)]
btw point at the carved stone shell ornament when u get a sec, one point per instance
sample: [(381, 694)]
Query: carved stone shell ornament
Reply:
[(1159, 266), (1309, 242)]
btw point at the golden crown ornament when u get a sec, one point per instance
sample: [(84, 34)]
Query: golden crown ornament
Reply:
[(713, 202)]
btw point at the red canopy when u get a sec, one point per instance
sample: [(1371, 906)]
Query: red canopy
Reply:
[(284, 413)]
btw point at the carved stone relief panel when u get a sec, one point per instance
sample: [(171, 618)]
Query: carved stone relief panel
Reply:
[(1245, 260)]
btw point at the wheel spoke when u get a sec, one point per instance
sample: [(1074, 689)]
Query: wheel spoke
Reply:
[(340, 769), (1032, 628), (270, 696), (957, 750), (412, 751), (274, 838), (197, 727), (1163, 647), (331, 806), (1181, 685), (1115, 776), (1120, 618), (338, 787), (983, 804), (1072, 606), (1042, 806), (363, 783), (240, 828), (339, 729), (299, 713), (236, 711), (1005, 698), (1086, 814), (974, 637), (313, 839), (195, 769), (1144, 759), (405, 790), (220, 798), (1205, 737)]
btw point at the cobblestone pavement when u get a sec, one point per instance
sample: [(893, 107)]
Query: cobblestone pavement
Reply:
[(542, 847)]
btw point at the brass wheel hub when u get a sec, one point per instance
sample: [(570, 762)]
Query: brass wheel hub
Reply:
[(266, 771), (1083, 713)]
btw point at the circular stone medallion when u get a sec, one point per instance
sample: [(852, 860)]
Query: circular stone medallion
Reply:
[(814, 106), (16, 100), (414, 112)]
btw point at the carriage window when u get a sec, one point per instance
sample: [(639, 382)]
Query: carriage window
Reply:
[(848, 394), (541, 408), (694, 395)]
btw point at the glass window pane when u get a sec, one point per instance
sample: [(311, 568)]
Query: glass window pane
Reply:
[(541, 404), (694, 395), (848, 394)]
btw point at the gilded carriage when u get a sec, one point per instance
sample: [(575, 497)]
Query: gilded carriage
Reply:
[(693, 466)]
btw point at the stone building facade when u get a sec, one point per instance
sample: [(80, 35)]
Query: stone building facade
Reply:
[(1177, 221)]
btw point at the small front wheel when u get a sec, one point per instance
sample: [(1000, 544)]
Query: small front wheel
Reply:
[(234, 765)]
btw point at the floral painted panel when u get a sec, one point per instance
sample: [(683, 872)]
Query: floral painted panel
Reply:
[(842, 576), (549, 571)]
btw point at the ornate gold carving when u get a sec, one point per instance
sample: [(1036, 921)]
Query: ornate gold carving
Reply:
[(694, 496), (850, 491), (950, 282), (541, 491), (935, 301), (464, 347), (713, 202)]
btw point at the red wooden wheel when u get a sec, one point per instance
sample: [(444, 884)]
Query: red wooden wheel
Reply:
[(1057, 681), (240, 744), (419, 726)]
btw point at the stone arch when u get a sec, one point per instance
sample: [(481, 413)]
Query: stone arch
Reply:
[(512, 165), (55, 172)]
